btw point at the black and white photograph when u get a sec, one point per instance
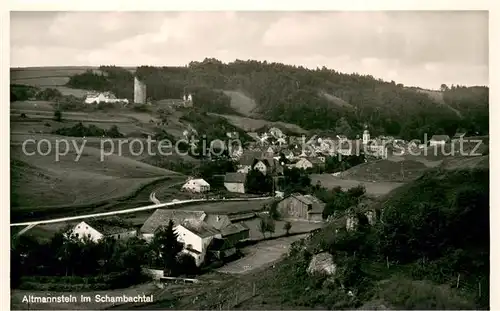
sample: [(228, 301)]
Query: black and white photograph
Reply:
[(249, 160)]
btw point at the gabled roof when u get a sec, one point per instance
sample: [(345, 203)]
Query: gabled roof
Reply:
[(106, 227), (217, 221), (314, 160), (234, 228), (248, 157), (317, 205), (235, 177), (200, 228), (440, 137), (161, 217), (199, 181), (459, 135)]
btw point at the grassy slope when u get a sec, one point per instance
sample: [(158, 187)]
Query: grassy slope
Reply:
[(250, 124), (286, 286), (41, 181), (241, 102)]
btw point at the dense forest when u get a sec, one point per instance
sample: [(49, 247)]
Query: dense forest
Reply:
[(314, 99)]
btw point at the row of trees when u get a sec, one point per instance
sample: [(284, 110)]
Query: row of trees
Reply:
[(80, 130)]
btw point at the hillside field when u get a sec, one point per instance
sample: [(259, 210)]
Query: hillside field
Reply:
[(39, 181)]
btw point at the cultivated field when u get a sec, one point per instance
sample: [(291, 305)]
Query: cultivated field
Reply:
[(260, 255), (250, 125), (336, 100), (241, 103), (39, 180), (372, 188), (385, 171)]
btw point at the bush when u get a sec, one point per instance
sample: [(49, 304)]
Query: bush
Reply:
[(406, 294), (58, 115)]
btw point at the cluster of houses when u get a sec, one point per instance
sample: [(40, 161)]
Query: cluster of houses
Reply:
[(267, 150), (204, 233), (103, 97), (200, 232)]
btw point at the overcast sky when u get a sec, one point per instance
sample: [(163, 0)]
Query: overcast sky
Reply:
[(414, 48)]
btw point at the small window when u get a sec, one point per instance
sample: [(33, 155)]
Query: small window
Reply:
[(86, 228), (78, 227)]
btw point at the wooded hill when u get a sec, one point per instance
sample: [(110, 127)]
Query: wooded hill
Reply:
[(314, 99)]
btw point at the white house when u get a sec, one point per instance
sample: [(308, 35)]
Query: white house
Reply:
[(276, 132), (96, 229), (303, 164), (438, 140), (366, 137), (105, 97), (235, 182), (261, 166), (196, 237), (196, 185)]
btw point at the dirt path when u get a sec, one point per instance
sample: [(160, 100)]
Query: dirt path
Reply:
[(260, 255)]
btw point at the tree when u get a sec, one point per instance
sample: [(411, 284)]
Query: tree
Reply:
[(258, 183), (167, 247), (444, 87), (273, 210), (263, 227), (58, 115), (287, 226), (342, 127), (266, 224)]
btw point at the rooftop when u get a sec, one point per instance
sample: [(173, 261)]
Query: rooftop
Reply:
[(316, 204), (200, 228), (235, 177), (107, 227), (161, 217)]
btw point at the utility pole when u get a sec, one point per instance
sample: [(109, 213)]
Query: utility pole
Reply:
[(402, 170)]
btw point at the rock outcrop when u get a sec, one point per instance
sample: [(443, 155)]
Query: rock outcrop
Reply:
[(322, 263)]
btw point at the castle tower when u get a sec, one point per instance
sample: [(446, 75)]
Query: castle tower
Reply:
[(139, 91)]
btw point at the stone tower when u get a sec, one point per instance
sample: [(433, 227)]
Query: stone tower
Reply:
[(139, 91)]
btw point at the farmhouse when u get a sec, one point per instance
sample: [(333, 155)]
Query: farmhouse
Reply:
[(161, 218), (106, 97), (197, 185), (302, 207), (235, 182), (437, 140), (196, 237), (96, 230)]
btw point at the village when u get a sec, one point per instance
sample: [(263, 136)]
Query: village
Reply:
[(207, 235)]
